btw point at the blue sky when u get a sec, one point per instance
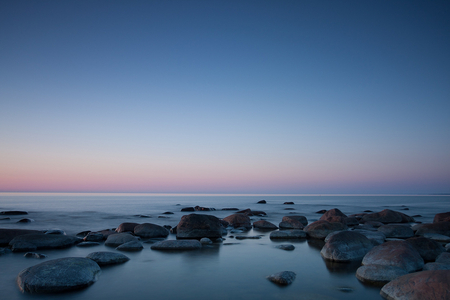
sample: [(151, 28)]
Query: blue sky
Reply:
[(225, 96)]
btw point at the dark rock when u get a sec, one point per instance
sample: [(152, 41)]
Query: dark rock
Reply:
[(289, 208), (292, 218), (320, 229), (59, 275), (167, 213), (144, 216), (232, 208), (7, 235), (115, 240), (439, 228), (13, 212), (368, 211), (26, 220), (88, 244), (428, 249), (188, 209), (346, 246), (205, 241), (378, 274), (5, 219), (442, 217), (288, 234), (436, 266), (34, 255), (375, 237), (248, 237), (262, 202), (104, 258), (438, 237), (168, 227), (93, 237), (177, 245), (195, 226), (149, 230), (83, 234), (173, 230), (4, 251), (374, 224), (388, 216), (126, 227), (425, 285), (322, 211), (131, 246), (262, 224), (55, 231), (249, 212), (396, 231), (417, 216), (395, 253), (282, 278), (42, 241), (288, 247), (443, 258), (238, 220), (288, 203)]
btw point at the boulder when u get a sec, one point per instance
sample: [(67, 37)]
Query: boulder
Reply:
[(131, 246), (425, 285), (395, 253), (93, 237), (334, 215), (195, 226), (42, 241), (301, 219), (396, 231), (88, 244), (388, 216), (205, 241), (149, 230), (59, 275), (35, 255), (13, 212), (188, 209), (282, 278), (427, 248), (346, 246), (249, 212), (288, 234), (288, 247), (26, 220), (442, 217), (7, 235), (437, 237), (436, 266), (265, 225), (320, 229), (443, 258), (126, 227), (439, 228), (238, 220), (104, 258), (378, 274), (375, 237), (262, 202), (289, 203), (115, 240), (177, 245)]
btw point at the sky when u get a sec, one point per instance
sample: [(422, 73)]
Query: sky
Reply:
[(290, 97)]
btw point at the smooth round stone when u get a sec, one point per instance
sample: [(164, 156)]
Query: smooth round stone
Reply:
[(287, 247), (197, 226), (93, 237), (149, 230), (282, 278), (375, 237), (205, 241), (320, 229), (436, 266), (55, 231), (379, 275), (288, 234), (437, 237), (115, 240), (126, 227), (59, 275), (427, 248), (104, 258), (43, 241), (131, 246), (396, 231), (263, 224), (177, 245), (346, 246), (35, 255)]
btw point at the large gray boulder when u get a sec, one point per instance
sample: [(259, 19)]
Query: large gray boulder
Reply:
[(115, 240), (59, 275), (24, 243), (376, 237), (149, 230), (293, 222), (195, 226), (427, 248), (7, 235), (396, 231), (378, 274), (104, 258), (126, 227), (131, 246), (346, 246), (388, 216), (439, 228), (395, 253), (238, 220), (320, 229), (425, 285), (442, 217), (177, 245)]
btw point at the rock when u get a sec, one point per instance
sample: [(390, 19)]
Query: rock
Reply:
[(230, 208), (115, 240), (188, 209), (55, 231), (149, 230), (13, 212), (239, 220), (59, 275), (396, 231), (5, 219), (126, 227), (131, 246), (320, 229), (288, 234), (262, 202), (293, 218), (395, 253), (42, 241), (346, 246), (177, 245), (291, 225), (163, 217), (289, 203), (376, 237), (437, 237), (248, 237), (288, 247), (205, 241), (249, 212), (322, 211), (378, 274), (7, 235), (35, 255), (26, 220), (88, 244), (195, 226), (443, 258), (262, 224), (334, 215), (442, 217), (436, 266), (388, 216), (104, 258), (4, 251), (289, 208), (168, 213), (83, 234), (427, 248), (439, 228), (173, 230), (93, 237), (144, 216), (425, 285), (282, 278)]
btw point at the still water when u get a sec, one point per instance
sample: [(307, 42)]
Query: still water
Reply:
[(235, 269)]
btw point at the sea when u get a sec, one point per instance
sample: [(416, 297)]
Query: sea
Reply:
[(234, 269)]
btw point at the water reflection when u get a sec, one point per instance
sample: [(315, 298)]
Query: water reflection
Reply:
[(342, 268), (316, 244)]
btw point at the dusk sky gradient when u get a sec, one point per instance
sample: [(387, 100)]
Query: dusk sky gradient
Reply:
[(295, 97)]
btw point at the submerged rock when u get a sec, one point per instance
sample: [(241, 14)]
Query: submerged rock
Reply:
[(196, 226), (205, 241), (320, 229), (13, 212), (177, 245), (388, 216), (396, 231), (104, 258), (346, 246), (42, 241), (282, 278), (7, 235), (288, 247), (149, 230), (35, 255), (239, 220), (263, 224), (115, 240), (427, 248), (59, 275), (131, 246), (288, 234), (378, 274)]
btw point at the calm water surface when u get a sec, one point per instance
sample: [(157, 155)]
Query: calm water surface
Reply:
[(222, 271)]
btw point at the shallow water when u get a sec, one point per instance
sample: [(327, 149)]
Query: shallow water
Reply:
[(222, 271)]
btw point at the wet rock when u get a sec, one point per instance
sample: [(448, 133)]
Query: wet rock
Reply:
[(42, 241), (288, 247), (93, 237), (425, 285), (104, 258), (34, 255), (249, 212), (195, 226), (346, 246), (322, 211), (248, 237), (262, 224), (115, 240), (7, 235), (200, 208), (262, 202), (395, 253), (82, 234), (149, 230), (239, 220), (439, 228), (437, 237), (13, 212), (378, 274), (388, 216), (205, 241), (288, 234), (428, 249), (442, 217), (443, 258), (5, 219), (436, 266), (177, 245), (396, 231), (126, 227), (292, 218), (55, 231), (131, 246), (320, 229), (26, 220), (4, 251), (282, 278), (188, 209), (288, 203), (230, 208), (376, 237), (88, 244), (168, 213), (59, 275)]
